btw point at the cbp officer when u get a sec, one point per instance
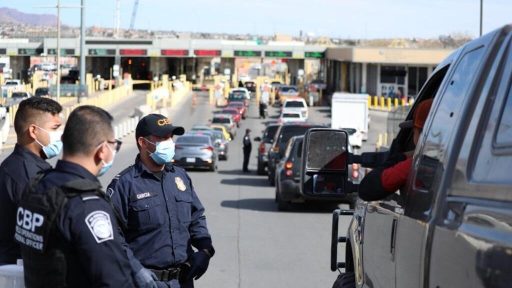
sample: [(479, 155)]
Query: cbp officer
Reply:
[(37, 124), (162, 218), (66, 228), (247, 147)]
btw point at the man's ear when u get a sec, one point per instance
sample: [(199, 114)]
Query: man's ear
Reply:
[(32, 131), (100, 153), (141, 141)]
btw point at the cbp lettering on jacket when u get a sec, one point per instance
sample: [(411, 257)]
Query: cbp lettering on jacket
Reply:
[(29, 220)]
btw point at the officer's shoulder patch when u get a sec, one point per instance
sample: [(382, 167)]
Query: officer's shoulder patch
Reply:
[(100, 226)]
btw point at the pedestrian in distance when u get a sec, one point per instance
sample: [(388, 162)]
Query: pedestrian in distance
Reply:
[(161, 215), (247, 147), (38, 130), (66, 228)]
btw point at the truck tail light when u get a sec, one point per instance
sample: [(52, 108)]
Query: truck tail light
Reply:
[(355, 171), (288, 165), (289, 173)]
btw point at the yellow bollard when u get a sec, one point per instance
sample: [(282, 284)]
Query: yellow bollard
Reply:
[(403, 101), (382, 100), (376, 101), (388, 103), (369, 101), (396, 102)]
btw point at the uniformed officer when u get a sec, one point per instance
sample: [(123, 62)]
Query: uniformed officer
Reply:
[(66, 228), (37, 125), (247, 147), (162, 217)]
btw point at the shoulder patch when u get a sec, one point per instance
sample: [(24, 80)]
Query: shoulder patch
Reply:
[(100, 226)]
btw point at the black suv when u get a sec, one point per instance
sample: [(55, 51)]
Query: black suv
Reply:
[(288, 174), (451, 225), (283, 134), (266, 142)]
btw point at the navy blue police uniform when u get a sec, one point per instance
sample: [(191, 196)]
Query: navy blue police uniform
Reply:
[(162, 219), (78, 246), (15, 173)]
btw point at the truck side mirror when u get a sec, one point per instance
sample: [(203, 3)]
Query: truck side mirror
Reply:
[(257, 139), (325, 160)]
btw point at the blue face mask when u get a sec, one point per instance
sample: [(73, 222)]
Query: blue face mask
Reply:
[(55, 146), (107, 166), (164, 151)]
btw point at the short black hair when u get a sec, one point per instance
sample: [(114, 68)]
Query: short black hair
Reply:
[(30, 110), (87, 127)]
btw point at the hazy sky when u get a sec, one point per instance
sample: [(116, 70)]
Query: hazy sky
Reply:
[(340, 18)]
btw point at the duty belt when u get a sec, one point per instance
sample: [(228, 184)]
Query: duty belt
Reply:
[(167, 274)]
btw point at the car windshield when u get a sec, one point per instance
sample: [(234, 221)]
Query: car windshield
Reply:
[(237, 95), (18, 95), (288, 89), (192, 140), (294, 104), (221, 120), (229, 111), (270, 132)]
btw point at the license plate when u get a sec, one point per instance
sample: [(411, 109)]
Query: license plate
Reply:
[(191, 160)]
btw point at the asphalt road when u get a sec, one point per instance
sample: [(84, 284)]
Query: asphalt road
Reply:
[(256, 245)]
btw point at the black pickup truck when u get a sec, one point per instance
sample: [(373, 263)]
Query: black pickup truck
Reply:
[(451, 225)]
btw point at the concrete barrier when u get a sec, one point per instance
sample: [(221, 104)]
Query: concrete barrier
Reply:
[(126, 127)]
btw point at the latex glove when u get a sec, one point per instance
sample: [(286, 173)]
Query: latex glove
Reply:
[(145, 279), (198, 262)]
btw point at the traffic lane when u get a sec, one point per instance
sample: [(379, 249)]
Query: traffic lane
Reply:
[(258, 246)]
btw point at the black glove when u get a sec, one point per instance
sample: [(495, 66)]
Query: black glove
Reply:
[(145, 279), (198, 262)]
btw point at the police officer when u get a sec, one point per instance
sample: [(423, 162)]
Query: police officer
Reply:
[(37, 124), (162, 217), (66, 228), (247, 147)]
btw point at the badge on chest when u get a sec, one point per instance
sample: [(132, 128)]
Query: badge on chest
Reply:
[(179, 184)]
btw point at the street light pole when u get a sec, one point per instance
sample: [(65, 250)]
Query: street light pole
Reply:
[(481, 14), (58, 50), (82, 50)]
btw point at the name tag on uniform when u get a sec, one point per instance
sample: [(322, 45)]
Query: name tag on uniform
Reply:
[(141, 195)]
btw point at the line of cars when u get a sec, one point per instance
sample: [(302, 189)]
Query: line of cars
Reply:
[(204, 145), (280, 157)]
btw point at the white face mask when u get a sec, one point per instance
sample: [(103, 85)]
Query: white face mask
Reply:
[(55, 146)]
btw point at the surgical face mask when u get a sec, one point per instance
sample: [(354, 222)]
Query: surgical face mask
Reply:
[(55, 146), (164, 151), (107, 166)]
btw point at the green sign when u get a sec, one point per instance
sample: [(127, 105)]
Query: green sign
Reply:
[(63, 52), (279, 54), (318, 55), (102, 52), (30, 51), (247, 53)]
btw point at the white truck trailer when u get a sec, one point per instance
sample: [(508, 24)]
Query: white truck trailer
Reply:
[(350, 111)]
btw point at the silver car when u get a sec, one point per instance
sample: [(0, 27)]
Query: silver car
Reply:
[(195, 151), (220, 143), (227, 121)]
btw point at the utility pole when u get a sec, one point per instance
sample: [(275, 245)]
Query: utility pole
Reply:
[(82, 50), (58, 50), (481, 15)]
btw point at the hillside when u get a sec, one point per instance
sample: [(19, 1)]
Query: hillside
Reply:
[(13, 16)]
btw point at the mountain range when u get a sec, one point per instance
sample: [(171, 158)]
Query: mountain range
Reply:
[(13, 16)]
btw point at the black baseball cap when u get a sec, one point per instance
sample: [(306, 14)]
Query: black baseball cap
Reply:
[(157, 125)]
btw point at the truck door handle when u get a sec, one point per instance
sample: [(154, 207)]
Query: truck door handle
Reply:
[(393, 236)]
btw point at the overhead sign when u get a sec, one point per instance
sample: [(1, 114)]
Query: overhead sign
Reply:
[(133, 52), (102, 52), (174, 52), (207, 53), (30, 51), (247, 53), (318, 55), (279, 54), (63, 52)]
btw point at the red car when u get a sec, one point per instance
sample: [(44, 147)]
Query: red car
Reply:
[(239, 106), (236, 115)]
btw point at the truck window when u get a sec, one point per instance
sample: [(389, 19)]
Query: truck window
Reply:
[(444, 120), (503, 138)]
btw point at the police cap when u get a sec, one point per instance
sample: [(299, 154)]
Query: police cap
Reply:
[(157, 125)]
